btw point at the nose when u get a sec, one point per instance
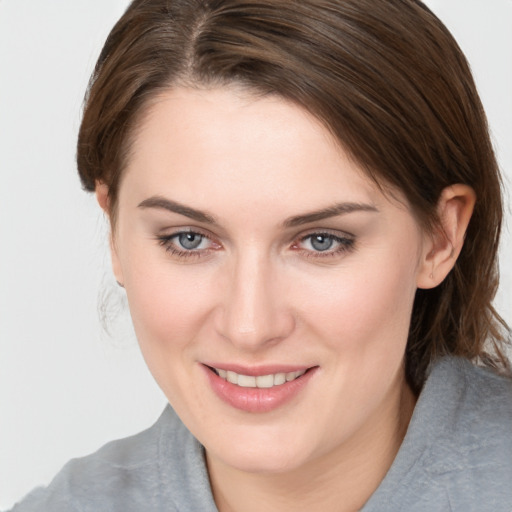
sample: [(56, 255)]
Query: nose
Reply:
[(254, 312)]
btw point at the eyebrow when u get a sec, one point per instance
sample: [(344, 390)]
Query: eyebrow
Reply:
[(162, 203), (331, 211)]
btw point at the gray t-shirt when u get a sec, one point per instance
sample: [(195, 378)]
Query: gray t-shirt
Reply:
[(456, 456)]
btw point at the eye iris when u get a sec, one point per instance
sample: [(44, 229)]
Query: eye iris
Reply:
[(190, 240), (321, 242)]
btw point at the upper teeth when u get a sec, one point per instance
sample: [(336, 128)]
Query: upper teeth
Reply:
[(261, 381)]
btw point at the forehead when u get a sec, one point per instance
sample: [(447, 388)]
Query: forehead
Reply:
[(229, 145)]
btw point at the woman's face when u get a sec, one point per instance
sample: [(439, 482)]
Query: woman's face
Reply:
[(269, 281)]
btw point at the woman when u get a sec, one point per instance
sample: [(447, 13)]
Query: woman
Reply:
[(305, 212)]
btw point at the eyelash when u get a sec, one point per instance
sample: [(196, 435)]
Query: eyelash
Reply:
[(167, 242), (345, 245)]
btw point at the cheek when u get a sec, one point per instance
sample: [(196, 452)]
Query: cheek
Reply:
[(359, 319), (363, 305), (168, 304), (169, 308)]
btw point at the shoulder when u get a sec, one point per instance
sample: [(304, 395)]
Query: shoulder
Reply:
[(472, 402), (457, 453), (132, 474), (470, 452)]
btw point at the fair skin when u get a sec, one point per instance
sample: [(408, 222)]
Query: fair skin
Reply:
[(224, 267)]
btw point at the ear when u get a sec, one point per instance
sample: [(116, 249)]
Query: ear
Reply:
[(101, 191), (454, 209)]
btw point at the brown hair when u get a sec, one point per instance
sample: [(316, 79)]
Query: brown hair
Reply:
[(384, 76)]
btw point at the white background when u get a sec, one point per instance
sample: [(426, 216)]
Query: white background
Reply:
[(66, 387)]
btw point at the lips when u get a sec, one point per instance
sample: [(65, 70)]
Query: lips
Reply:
[(257, 390)]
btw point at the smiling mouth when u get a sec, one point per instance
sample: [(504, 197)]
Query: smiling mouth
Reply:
[(262, 391), (260, 381)]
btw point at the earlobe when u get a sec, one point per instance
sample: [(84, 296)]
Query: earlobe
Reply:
[(101, 191), (116, 263), (455, 208), (102, 197)]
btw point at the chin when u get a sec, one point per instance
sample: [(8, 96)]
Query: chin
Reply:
[(271, 454), (265, 464)]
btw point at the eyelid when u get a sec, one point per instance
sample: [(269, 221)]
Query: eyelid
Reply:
[(169, 233), (176, 230), (166, 240), (345, 243), (336, 233)]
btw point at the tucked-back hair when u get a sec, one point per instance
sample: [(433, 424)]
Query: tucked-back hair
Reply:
[(385, 77)]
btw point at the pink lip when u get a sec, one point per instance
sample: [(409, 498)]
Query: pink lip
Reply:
[(257, 400)]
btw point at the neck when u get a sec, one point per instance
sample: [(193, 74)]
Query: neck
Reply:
[(341, 481)]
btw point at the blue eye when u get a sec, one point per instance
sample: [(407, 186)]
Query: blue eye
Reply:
[(187, 244), (325, 244), (189, 241), (321, 242)]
